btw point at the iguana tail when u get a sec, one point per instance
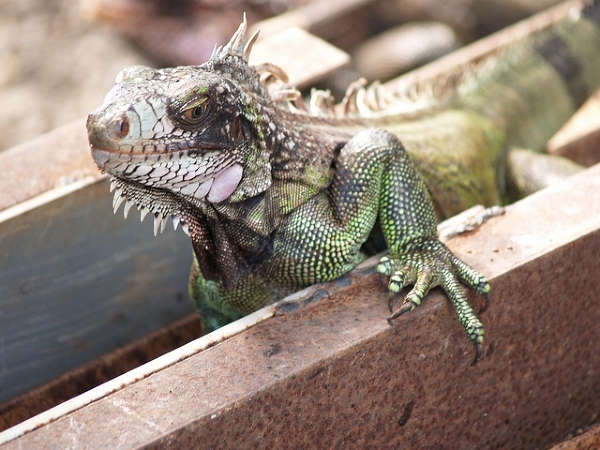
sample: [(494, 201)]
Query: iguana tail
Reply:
[(540, 79)]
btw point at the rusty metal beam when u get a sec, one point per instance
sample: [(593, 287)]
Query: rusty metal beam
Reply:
[(334, 372), (98, 371)]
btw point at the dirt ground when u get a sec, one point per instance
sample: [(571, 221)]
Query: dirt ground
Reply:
[(55, 66)]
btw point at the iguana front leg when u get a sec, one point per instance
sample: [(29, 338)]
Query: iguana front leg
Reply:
[(374, 178), (321, 240)]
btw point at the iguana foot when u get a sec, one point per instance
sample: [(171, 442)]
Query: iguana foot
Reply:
[(427, 263)]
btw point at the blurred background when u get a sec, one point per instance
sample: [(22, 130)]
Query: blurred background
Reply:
[(58, 58)]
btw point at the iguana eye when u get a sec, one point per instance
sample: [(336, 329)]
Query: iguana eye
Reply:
[(193, 112)]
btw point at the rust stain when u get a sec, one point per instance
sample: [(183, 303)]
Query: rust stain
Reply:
[(86, 377)]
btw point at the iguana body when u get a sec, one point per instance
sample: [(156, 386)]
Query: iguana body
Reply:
[(276, 197)]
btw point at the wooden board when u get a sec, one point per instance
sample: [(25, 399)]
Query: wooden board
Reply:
[(77, 281)]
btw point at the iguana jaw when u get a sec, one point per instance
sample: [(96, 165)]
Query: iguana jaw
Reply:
[(132, 193), (135, 189), (180, 175)]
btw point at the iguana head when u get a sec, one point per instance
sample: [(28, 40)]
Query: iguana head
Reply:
[(191, 134), (211, 147)]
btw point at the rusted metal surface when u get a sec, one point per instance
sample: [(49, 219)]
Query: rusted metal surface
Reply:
[(107, 367), (335, 373)]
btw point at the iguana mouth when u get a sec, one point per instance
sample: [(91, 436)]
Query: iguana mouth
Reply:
[(151, 188), (214, 180)]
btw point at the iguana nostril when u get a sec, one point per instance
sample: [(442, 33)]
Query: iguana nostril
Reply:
[(118, 128)]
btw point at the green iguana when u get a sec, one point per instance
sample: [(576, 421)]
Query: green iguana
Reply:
[(277, 195)]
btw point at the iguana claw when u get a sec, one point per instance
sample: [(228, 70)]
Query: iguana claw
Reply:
[(428, 263), (478, 352), (486, 304), (408, 306)]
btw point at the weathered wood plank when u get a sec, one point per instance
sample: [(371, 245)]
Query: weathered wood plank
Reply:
[(77, 282), (304, 57), (579, 138)]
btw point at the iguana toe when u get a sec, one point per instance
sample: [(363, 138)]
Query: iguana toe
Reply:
[(428, 263)]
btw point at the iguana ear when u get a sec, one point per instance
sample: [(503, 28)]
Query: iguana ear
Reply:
[(236, 131)]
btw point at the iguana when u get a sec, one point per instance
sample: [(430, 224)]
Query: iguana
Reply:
[(277, 195)]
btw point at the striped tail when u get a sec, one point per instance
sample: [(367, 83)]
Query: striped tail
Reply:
[(540, 80)]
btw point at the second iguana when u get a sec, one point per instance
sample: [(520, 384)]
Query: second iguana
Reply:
[(276, 195)]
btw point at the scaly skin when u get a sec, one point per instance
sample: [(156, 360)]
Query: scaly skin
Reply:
[(276, 196)]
